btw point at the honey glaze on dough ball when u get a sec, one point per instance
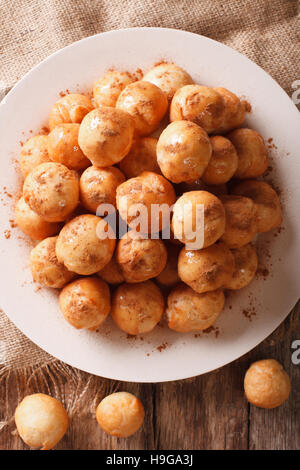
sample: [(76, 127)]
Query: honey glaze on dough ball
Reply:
[(208, 269), (137, 308), (79, 247), (168, 77), (85, 303), (63, 147), (245, 267), (140, 258), (32, 224), (108, 88), (146, 103), (99, 186), (200, 104), (183, 151), (251, 151), (266, 384), (141, 157), (235, 110), (41, 421), (120, 414), (148, 188), (105, 135), (111, 272), (184, 216), (70, 108), (241, 221), (223, 163), (267, 203), (52, 191), (189, 311), (45, 267), (169, 275), (33, 153)]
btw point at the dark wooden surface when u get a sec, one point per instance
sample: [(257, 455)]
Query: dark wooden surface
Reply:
[(206, 412)]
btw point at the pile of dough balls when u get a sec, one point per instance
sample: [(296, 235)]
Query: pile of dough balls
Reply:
[(162, 139)]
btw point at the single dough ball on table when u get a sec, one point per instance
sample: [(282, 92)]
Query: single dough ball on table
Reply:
[(169, 275), (241, 220), (141, 157), (137, 308), (105, 135), (252, 153), (80, 247), (235, 110), (41, 421), (200, 104), (208, 269), (112, 272), (168, 77), (85, 303), (45, 267), (120, 414), (33, 153), (245, 267), (32, 224), (108, 88), (266, 384), (146, 103), (185, 222), (223, 163), (52, 191), (267, 203), (63, 147), (189, 311), (183, 151), (147, 189), (70, 108), (140, 258), (99, 186)]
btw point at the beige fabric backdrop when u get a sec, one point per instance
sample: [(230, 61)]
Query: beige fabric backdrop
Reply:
[(267, 31)]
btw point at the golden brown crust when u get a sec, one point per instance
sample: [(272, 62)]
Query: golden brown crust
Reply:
[(223, 162), (63, 147), (107, 89), (33, 153), (241, 220), (141, 157), (245, 267), (71, 108)]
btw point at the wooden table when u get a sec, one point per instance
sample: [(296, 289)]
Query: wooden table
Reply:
[(206, 412)]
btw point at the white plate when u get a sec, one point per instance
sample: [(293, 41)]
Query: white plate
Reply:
[(110, 353)]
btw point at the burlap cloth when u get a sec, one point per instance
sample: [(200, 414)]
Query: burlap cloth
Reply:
[(267, 31)]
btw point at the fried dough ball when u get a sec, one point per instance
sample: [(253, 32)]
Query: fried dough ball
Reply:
[(199, 185), (70, 108), (146, 103), (32, 224), (41, 421), (223, 163), (235, 110), (85, 303), (105, 135), (108, 88), (208, 269), (200, 104), (137, 308), (245, 267), (120, 414), (99, 186), (185, 217), (241, 221), (168, 77), (140, 258), (63, 147), (147, 189), (81, 249), (169, 275), (252, 153), (183, 151), (266, 384), (111, 273), (45, 267), (141, 157), (267, 203), (33, 153), (52, 191), (189, 311)]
